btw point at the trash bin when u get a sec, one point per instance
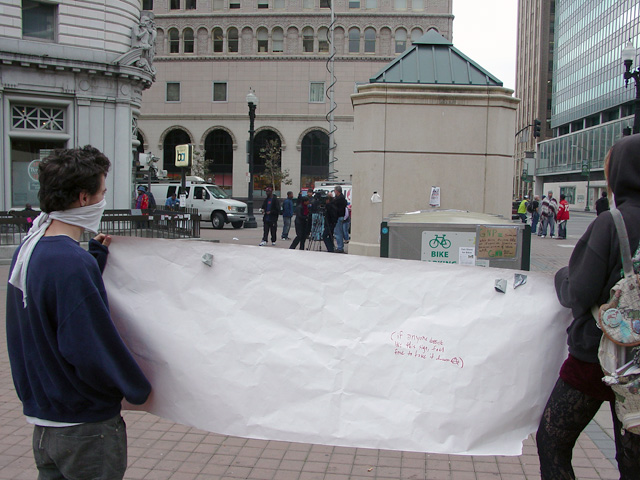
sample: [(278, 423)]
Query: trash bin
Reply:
[(457, 237)]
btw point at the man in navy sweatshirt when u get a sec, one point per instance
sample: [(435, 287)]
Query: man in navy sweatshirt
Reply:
[(70, 367)]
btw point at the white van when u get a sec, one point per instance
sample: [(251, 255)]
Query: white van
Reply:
[(211, 201), (328, 187)]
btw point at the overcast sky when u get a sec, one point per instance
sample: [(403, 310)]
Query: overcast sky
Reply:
[(486, 33)]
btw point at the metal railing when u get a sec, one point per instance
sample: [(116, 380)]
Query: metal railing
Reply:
[(179, 223)]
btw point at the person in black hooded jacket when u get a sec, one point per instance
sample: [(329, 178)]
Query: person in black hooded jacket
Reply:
[(595, 266)]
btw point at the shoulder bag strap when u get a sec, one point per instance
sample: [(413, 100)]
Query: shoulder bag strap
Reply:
[(623, 237)]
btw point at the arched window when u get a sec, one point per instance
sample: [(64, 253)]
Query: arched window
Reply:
[(314, 158), (369, 40), (263, 40), (187, 41), (416, 33), (307, 40), (218, 157), (277, 36), (177, 136), (218, 40), (354, 40), (262, 142), (323, 40), (401, 40), (232, 40), (174, 41)]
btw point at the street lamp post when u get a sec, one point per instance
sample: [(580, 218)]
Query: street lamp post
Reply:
[(628, 55), (586, 171), (252, 101)]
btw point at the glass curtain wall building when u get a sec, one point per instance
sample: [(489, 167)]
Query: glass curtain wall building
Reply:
[(590, 104)]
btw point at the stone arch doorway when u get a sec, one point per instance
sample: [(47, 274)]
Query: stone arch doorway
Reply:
[(314, 158), (218, 156), (261, 141)]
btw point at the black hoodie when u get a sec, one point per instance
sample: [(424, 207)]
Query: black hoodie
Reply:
[(596, 265)]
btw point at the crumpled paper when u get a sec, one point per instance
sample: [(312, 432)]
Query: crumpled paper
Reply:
[(343, 350)]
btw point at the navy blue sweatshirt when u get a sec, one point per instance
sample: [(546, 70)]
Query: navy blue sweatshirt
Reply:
[(68, 361)]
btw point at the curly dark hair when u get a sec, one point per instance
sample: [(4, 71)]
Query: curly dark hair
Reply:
[(67, 172)]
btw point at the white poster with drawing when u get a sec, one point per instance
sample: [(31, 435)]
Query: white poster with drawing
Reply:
[(434, 198), (343, 350)]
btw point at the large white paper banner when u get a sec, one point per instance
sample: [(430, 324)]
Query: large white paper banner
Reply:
[(336, 349)]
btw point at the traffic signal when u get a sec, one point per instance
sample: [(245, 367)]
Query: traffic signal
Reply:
[(536, 128)]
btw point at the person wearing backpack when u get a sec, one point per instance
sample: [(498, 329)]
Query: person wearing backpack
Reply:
[(594, 268)]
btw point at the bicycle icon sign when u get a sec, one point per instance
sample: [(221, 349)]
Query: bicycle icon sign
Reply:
[(440, 240)]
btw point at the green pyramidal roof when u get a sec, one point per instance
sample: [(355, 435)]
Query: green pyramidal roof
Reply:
[(434, 60)]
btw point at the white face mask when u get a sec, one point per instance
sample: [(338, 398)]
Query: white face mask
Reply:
[(87, 217)]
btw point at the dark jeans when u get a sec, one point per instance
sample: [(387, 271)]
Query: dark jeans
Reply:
[(298, 240), (562, 229), (96, 451), (327, 236), (270, 226), (534, 222), (567, 413)]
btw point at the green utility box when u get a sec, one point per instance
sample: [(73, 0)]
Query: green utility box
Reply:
[(457, 237)]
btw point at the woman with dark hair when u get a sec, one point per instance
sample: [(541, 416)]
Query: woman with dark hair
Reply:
[(595, 266)]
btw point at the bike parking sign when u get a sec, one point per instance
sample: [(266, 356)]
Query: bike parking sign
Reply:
[(448, 247)]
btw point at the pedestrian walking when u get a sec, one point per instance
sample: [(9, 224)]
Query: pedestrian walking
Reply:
[(535, 214), (548, 212), (341, 205), (522, 209), (287, 214), (70, 368), (271, 210), (302, 223), (563, 217), (595, 266), (602, 204)]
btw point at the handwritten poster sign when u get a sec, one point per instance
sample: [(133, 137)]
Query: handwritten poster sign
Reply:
[(390, 354), (497, 242)]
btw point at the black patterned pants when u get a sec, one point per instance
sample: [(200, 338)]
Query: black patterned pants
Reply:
[(566, 415)]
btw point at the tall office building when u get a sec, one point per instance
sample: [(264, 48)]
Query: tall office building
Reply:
[(590, 106), (534, 68), (211, 53)]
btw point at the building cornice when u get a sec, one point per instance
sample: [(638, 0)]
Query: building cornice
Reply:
[(241, 117), (254, 16), (270, 57), (60, 64)]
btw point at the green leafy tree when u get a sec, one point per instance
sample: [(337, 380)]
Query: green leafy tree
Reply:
[(273, 174), (201, 167)]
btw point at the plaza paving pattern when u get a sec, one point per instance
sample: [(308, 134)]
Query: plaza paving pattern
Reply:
[(160, 449)]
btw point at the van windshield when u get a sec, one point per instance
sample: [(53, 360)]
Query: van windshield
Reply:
[(217, 192)]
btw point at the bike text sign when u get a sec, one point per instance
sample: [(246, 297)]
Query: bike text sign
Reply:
[(448, 247)]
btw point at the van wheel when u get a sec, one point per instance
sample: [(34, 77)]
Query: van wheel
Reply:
[(217, 220), (237, 224)]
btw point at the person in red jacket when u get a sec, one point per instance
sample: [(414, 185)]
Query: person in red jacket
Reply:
[(563, 217)]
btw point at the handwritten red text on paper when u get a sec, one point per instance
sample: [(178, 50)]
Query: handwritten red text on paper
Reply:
[(423, 347)]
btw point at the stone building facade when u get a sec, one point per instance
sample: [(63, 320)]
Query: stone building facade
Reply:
[(210, 53), (72, 73)]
